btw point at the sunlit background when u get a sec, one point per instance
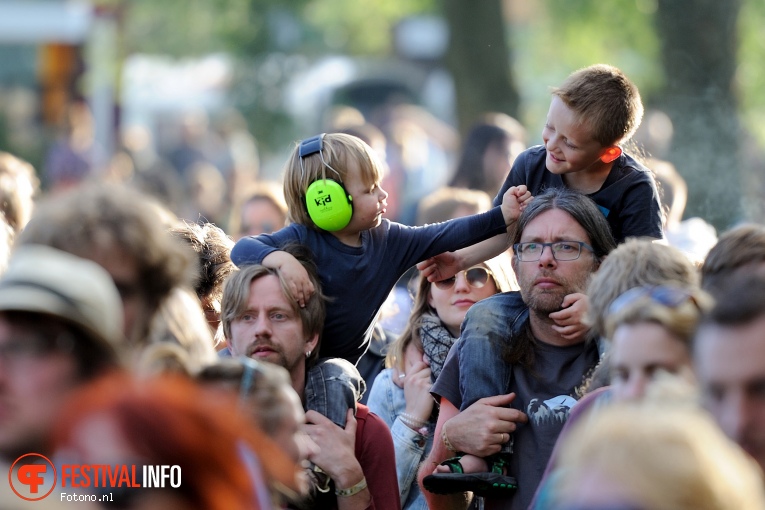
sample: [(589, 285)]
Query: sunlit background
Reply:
[(211, 89)]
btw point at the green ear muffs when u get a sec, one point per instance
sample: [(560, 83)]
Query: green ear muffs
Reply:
[(328, 203)]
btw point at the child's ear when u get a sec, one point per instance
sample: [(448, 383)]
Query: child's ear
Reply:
[(610, 154)]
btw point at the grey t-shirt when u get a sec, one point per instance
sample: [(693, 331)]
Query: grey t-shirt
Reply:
[(546, 396)]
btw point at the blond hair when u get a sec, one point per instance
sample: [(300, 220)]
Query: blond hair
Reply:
[(681, 320), (676, 459), (340, 152), (635, 263)]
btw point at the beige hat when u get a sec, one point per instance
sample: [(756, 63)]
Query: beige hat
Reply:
[(45, 280)]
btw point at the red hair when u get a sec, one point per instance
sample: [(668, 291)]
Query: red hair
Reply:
[(171, 420)]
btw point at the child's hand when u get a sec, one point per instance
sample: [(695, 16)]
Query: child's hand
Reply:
[(294, 273), (514, 201), (569, 321), (440, 267)]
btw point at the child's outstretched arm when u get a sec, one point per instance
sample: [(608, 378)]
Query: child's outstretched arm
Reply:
[(294, 272), (446, 265), (569, 321)]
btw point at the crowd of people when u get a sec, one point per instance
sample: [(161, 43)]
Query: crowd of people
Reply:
[(557, 353)]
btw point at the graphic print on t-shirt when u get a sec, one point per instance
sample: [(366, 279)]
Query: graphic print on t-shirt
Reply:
[(549, 412)]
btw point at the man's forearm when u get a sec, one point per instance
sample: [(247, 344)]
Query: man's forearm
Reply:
[(438, 454)]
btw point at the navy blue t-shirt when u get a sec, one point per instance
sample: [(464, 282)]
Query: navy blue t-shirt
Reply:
[(628, 198)]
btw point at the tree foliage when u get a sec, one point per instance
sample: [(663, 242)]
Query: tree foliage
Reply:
[(547, 40)]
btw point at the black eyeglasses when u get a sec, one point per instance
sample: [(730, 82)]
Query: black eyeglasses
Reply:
[(561, 250), (665, 295), (476, 276)]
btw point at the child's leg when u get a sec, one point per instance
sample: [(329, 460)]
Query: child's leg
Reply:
[(486, 333), (332, 387)]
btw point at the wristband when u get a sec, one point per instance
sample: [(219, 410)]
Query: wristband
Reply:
[(352, 491), (446, 441), (410, 419)]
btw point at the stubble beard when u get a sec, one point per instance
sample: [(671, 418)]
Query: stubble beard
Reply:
[(543, 302)]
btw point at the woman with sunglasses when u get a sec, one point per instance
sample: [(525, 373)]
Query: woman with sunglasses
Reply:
[(401, 393)]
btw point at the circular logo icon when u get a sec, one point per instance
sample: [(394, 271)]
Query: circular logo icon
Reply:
[(30, 475)]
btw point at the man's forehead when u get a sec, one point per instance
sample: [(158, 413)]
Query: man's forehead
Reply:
[(739, 349), (554, 224), (268, 291)]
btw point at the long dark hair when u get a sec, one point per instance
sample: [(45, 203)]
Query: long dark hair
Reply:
[(587, 214)]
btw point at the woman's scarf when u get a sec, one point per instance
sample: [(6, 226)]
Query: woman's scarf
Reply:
[(436, 342)]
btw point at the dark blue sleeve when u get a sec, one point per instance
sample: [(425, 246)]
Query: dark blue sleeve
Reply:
[(518, 173), (253, 249), (414, 244)]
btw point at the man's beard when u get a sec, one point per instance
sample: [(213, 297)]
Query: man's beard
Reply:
[(543, 302), (276, 355)]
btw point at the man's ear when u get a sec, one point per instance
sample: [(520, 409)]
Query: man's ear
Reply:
[(311, 343), (610, 154)]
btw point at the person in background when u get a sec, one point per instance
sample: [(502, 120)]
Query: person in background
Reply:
[(400, 395), (19, 186), (740, 249), (490, 149), (120, 229), (447, 203), (677, 459), (212, 248), (260, 209), (266, 395), (729, 356), (60, 327), (225, 461)]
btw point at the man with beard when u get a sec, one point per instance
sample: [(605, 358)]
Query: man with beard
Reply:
[(262, 319), (507, 386)]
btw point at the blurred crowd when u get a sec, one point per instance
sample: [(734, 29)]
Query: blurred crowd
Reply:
[(128, 335)]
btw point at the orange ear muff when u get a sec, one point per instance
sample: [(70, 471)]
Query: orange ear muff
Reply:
[(611, 154)]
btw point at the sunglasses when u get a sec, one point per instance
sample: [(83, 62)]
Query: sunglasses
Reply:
[(476, 277), (671, 297)]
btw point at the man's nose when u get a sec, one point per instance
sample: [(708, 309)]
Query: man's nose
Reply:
[(547, 258), (262, 324)]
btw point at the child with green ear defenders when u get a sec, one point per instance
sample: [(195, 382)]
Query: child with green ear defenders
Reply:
[(335, 204)]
